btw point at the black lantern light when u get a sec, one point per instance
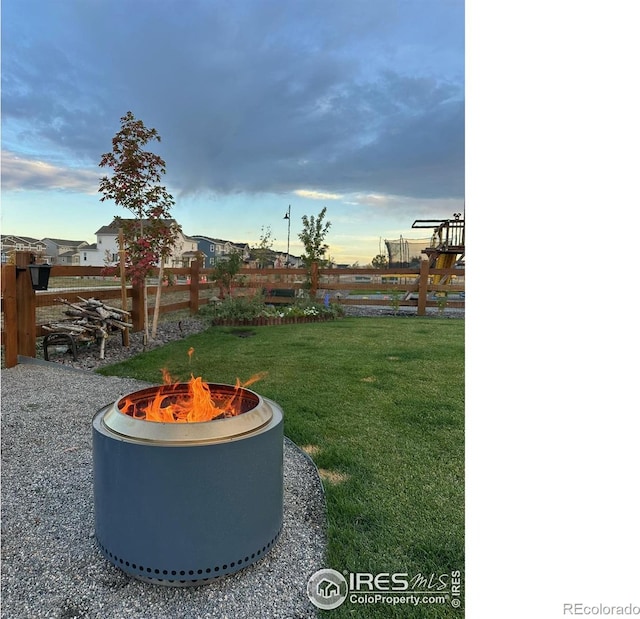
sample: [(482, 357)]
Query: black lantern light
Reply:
[(39, 274)]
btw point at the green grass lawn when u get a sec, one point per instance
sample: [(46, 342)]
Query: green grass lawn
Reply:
[(379, 404)]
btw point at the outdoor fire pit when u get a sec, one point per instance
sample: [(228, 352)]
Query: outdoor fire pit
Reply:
[(187, 481)]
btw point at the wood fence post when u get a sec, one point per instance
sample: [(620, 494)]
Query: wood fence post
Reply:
[(194, 287), (423, 287), (314, 280), (26, 306), (10, 309), (137, 306)]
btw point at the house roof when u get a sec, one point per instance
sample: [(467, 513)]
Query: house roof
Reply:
[(27, 239), (65, 242), (202, 237), (208, 239), (115, 225)]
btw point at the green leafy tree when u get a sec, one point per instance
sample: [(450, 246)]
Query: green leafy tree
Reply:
[(264, 248), (135, 184), (313, 235), (224, 272)]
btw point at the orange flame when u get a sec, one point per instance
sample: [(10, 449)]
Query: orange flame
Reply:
[(172, 403)]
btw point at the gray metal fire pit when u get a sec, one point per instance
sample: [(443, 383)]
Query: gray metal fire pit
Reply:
[(181, 504)]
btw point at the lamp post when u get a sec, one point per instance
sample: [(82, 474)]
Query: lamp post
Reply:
[(288, 218)]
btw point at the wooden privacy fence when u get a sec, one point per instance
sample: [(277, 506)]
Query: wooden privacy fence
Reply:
[(23, 310)]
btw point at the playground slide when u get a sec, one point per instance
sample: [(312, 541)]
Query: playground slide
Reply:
[(444, 261)]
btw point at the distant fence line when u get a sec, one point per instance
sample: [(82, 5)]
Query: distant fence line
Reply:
[(25, 311)]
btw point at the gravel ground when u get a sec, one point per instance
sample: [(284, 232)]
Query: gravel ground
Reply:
[(51, 566)]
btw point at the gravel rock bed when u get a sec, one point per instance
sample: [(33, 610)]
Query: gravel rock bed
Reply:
[(364, 311), (89, 357), (51, 565)]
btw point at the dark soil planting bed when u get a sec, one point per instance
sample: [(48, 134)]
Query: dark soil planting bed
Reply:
[(267, 320)]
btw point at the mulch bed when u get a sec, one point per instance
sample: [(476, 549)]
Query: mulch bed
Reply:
[(267, 320)]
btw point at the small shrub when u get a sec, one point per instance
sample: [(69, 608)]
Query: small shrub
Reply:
[(250, 308), (235, 308)]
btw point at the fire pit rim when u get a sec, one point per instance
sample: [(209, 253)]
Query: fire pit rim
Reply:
[(215, 430)]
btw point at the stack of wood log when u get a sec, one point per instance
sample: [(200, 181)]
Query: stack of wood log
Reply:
[(90, 319)]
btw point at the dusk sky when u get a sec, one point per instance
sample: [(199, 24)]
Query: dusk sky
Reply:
[(261, 104)]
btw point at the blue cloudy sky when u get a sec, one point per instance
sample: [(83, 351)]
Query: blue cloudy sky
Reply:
[(356, 105)]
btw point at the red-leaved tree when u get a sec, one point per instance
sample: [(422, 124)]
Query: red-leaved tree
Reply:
[(135, 184)]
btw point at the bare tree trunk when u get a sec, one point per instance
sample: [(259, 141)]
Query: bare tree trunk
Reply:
[(123, 282), (156, 308), (145, 304)]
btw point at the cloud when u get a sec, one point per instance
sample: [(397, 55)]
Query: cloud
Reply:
[(20, 173), (391, 202), (261, 97), (317, 195)]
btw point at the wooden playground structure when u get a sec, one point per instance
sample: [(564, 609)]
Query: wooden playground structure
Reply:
[(446, 249)]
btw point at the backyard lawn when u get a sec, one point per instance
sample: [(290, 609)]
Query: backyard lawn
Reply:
[(378, 403)]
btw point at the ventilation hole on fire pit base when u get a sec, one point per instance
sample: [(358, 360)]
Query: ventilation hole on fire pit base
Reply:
[(212, 573)]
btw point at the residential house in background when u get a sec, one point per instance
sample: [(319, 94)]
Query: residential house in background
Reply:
[(91, 256), (106, 248), (215, 250), (12, 243), (63, 251), (105, 251), (271, 259)]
